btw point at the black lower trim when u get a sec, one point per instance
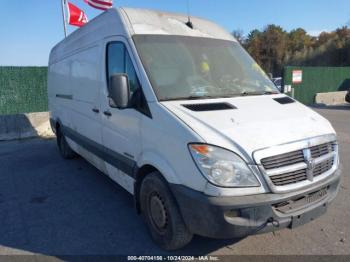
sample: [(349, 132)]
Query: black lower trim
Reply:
[(113, 158), (236, 217), (68, 97)]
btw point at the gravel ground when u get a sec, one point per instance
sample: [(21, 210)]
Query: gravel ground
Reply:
[(53, 207)]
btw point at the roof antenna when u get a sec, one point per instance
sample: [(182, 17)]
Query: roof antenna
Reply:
[(189, 22)]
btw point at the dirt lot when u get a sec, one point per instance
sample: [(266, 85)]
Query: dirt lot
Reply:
[(54, 207)]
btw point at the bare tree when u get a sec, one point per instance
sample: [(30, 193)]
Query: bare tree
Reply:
[(239, 35)]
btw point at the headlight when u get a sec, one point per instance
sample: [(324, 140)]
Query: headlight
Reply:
[(222, 167)]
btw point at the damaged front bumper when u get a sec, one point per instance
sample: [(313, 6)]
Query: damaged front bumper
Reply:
[(236, 217)]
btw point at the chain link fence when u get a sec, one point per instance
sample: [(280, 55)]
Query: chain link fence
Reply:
[(23, 90)]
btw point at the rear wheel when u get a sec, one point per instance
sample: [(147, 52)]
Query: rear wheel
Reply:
[(162, 215), (64, 148)]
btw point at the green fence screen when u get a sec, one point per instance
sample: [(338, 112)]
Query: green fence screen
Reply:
[(316, 80), (23, 90)]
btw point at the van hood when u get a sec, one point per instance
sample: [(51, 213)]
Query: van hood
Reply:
[(255, 122)]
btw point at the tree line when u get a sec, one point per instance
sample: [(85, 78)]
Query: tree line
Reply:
[(273, 48)]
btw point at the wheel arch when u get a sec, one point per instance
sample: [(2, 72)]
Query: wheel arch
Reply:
[(166, 172), (55, 124)]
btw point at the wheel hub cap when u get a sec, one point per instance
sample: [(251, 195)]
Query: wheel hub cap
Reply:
[(158, 212)]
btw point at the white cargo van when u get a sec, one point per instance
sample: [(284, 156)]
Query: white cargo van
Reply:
[(179, 115)]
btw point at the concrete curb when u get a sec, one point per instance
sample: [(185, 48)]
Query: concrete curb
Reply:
[(21, 126)]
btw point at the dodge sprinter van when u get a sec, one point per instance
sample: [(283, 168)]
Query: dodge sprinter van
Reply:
[(178, 114)]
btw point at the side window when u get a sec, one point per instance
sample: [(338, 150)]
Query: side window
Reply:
[(115, 59), (130, 71), (119, 62)]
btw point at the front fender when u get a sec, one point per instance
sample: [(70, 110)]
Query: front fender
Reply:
[(161, 164)]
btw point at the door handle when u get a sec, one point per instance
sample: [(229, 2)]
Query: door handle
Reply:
[(107, 113), (95, 110)]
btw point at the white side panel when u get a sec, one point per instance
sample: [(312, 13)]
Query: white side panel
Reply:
[(116, 175), (88, 156), (121, 178), (85, 85), (58, 75), (85, 71)]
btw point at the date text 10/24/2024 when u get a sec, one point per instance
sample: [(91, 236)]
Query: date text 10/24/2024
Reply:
[(173, 258)]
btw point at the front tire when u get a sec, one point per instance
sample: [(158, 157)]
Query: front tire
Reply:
[(65, 150), (162, 215)]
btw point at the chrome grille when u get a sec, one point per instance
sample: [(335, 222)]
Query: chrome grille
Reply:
[(323, 167), (296, 165), (321, 150), (283, 160), (289, 178)]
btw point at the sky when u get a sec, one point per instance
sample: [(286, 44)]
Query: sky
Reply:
[(30, 28)]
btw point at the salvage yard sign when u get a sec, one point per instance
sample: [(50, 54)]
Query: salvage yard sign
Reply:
[(297, 76)]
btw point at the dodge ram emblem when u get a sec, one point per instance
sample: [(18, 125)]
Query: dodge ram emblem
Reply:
[(310, 163)]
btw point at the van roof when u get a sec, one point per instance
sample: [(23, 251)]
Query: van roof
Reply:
[(130, 21), (144, 21)]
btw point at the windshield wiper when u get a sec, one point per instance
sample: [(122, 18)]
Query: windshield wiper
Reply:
[(245, 93), (190, 98), (270, 93)]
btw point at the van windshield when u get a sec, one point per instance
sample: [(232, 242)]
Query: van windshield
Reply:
[(182, 68)]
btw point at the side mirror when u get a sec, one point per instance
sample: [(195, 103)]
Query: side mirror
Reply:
[(119, 91)]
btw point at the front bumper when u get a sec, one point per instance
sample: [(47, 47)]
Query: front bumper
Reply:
[(236, 217)]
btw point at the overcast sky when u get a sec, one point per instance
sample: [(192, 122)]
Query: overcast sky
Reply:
[(30, 28)]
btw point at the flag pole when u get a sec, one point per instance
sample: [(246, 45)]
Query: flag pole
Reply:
[(63, 2)]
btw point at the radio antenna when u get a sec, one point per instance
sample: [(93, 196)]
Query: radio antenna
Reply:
[(189, 22)]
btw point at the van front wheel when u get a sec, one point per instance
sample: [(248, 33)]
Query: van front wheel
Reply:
[(162, 215), (64, 148)]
